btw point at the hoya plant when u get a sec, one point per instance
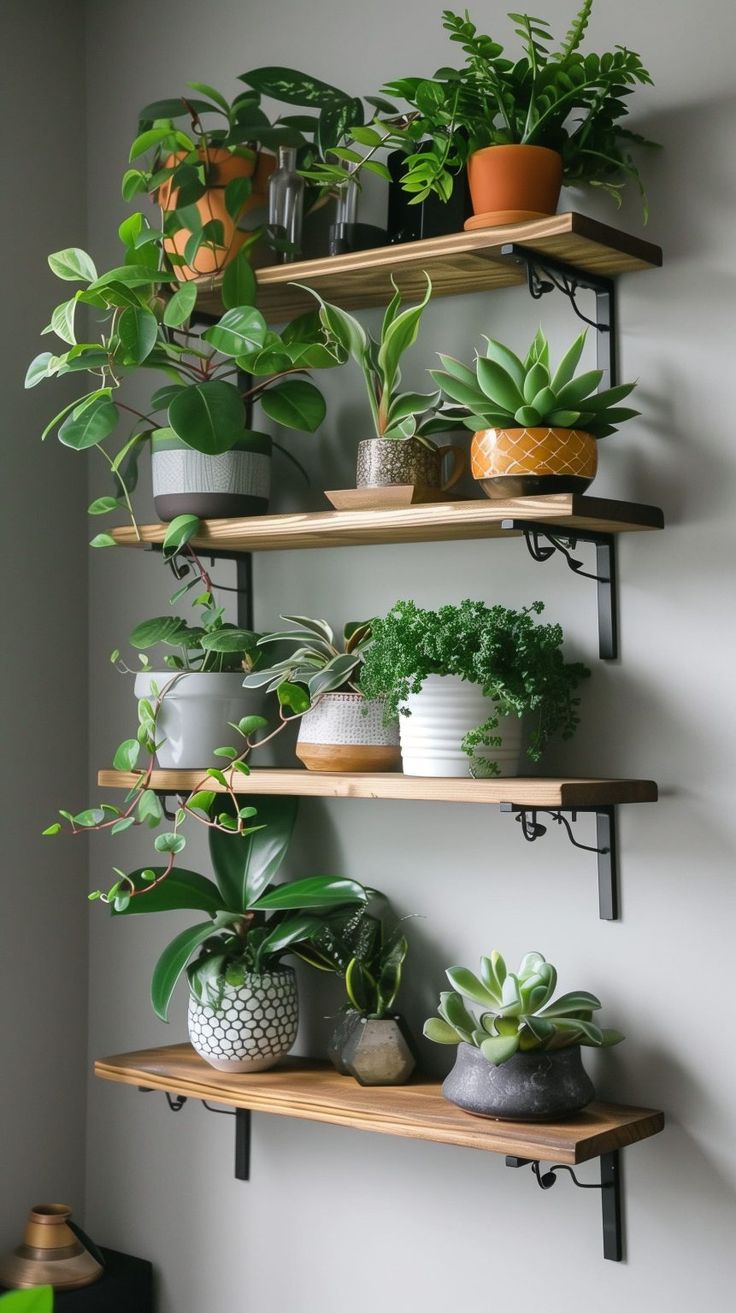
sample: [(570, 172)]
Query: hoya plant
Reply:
[(210, 646), (517, 1011), (317, 663), (209, 378), (501, 390), (251, 923), (517, 662)]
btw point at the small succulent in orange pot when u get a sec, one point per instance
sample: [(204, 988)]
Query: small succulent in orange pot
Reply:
[(535, 431)]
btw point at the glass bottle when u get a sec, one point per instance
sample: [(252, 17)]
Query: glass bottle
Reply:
[(286, 204)]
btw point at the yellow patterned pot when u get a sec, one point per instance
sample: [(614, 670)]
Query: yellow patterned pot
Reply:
[(531, 462)]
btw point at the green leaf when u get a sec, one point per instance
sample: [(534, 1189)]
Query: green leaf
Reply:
[(240, 330), (468, 984), (507, 360), (295, 88), (180, 307), (123, 824), (146, 140), (296, 404), (127, 755), (54, 828), (238, 281), (182, 890), (169, 843), (209, 417), (179, 532), (202, 800), (149, 808), (360, 986), (38, 1300), (237, 192), (293, 697), (133, 182), (294, 930), (103, 505), (244, 865), (102, 540), (229, 640), (172, 961), (73, 265), (569, 363), (316, 892), (89, 424), (159, 629), (440, 1032), (138, 333), (498, 386), (347, 331), (38, 370), (90, 818), (401, 333), (576, 1001), (497, 1049)]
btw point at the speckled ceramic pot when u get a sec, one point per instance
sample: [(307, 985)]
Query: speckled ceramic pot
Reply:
[(386, 461), (530, 1087), (345, 732), (255, 1026), (236, 483)]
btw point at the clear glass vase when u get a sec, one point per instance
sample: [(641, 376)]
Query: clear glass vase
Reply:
[(286, 204)]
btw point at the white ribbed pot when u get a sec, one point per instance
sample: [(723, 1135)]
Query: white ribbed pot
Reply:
[(440, 717), (345, 732), (255, 1026), (194, 715)]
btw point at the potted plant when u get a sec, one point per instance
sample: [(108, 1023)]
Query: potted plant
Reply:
[(534, 430), (339, 729), (197, 685), (520, 1059), (243, 1008), (461, 678), (372, 1042), (401, 451), (523, 126), (207, 459)]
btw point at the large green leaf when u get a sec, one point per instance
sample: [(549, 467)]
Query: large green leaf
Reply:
[(180, 890), (172, 962), (316, 891), (244, 865), (348, 332), (209, 417), (401, 333), (240, 330), (89, 424), (294, 930), (180, 307), (498, 385), (296, 404), (73, 264), (238, 282), (38, 370), (506, 358), (569, 363), (293, 87), (138, 331)]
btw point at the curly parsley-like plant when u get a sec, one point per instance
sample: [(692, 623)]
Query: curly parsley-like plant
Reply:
[(517, 662)]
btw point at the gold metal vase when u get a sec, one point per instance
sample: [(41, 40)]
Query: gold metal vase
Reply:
[(50, 1254)]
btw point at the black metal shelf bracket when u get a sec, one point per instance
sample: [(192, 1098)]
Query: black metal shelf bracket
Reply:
[(610, 1186), (242, 1127), (545, 274), (605, 847), (544, 540)]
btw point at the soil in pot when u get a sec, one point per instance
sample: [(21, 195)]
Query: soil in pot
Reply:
[(254, 1027), (223, 168), (511, 184), (377, 1052), (195, 714), (345, 732), (533, 1087), (532, 462), (186, 482)]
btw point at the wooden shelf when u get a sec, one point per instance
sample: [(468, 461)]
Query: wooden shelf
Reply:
[(315, 1092), (437, 522), (458, 263), (521, 792)]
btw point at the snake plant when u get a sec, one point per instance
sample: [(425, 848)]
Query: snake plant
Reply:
[(517, 1014), (503, 391)]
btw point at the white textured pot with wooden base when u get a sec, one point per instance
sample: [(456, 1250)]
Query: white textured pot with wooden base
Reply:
[(236, 483), (254, 1027), (345, 732), (445, 710), (195, 714)]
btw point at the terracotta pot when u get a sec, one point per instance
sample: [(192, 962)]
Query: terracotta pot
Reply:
[(509, 184), (383, 462), (531, 462), (345, 732), (223, 168)]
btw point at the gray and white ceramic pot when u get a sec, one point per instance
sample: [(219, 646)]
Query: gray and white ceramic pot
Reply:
[(185, 482), (530, 1087), (195, 714), (375, 1052), (255, 1026), (345, 732), (386, 461)]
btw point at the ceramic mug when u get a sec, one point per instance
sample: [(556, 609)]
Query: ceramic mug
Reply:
[(386, 461)]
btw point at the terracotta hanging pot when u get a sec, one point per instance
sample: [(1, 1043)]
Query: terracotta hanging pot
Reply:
[(532, 462), (223, 168), (509, 184), (50, 1254)]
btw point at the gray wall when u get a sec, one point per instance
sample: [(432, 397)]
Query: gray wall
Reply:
[(43, 925), (332, 1214)]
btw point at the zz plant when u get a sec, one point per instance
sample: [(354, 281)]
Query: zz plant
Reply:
[(518, 1012), (503, 391)]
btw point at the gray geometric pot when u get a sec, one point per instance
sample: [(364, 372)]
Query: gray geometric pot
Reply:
[(374, 1052), (531, 1087), (185, 482), (255, 1026)]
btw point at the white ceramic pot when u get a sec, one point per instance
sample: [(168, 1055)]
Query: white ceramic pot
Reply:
[(194, 716), (441, 715), (255, 1026), (345, 732)]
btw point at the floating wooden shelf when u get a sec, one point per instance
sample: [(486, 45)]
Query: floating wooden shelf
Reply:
[(315, 1092), (458, 263), (530, 793), (442, 522)]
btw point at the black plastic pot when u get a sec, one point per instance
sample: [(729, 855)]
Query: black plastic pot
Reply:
[(434, 217)]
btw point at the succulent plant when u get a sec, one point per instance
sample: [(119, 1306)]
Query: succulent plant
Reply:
[(517, 1013), (503, 391)]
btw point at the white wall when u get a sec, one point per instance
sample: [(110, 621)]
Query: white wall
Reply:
[(331, 1215), (43, 924)]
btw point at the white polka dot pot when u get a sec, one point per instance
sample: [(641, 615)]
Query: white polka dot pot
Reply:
[(255, 1026), (346, 732)]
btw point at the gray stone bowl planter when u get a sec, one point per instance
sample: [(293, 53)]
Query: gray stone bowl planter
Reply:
[(374, 1052), (185, 482), (255, 1027), (530, 1087)]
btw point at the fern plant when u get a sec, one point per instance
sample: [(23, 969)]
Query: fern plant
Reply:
[(503, 391)]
